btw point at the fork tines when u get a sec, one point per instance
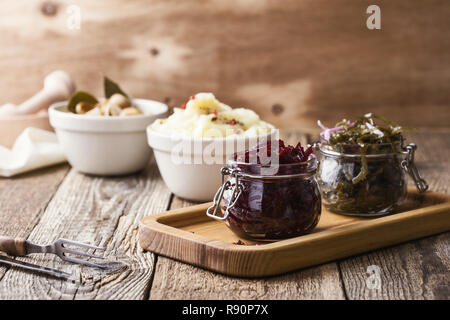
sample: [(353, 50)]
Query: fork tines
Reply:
[(62, 243)]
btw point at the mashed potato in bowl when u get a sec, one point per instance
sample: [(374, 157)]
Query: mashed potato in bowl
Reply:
[(193, 144), (203, 116)]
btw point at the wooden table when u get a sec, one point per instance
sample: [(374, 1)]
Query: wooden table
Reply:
[(59, 202)]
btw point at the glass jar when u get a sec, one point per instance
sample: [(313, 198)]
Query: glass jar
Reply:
[(268, 207), (371, 184)]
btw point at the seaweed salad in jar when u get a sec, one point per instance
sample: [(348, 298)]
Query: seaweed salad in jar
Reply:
[(363, 165)]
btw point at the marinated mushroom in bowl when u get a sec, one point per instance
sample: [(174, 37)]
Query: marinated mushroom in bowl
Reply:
[(105, 136), (116, 103)]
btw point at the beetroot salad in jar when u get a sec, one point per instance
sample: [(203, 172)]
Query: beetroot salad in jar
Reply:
[(269, 192)]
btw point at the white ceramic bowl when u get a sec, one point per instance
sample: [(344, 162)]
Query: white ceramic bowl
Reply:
[(106, 145), (195, 180)]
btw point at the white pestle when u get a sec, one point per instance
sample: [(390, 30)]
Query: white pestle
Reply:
[(58, 86)]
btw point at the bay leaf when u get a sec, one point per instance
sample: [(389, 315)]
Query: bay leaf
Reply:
[(80, 96), (111, 88)]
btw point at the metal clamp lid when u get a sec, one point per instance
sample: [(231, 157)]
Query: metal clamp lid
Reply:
[(409, 166), (226, 185)]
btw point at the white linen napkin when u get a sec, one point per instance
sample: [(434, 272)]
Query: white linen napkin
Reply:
[(33, 149)]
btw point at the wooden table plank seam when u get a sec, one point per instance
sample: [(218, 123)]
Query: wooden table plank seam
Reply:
[(341, 279)]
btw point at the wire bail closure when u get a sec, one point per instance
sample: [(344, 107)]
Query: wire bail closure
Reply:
[(409, 166), (226, 185)]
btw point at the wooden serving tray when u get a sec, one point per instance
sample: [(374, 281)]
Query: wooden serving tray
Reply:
[(190, 236)]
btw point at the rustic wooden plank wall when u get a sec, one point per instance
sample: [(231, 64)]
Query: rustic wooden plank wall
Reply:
[(294, 61)]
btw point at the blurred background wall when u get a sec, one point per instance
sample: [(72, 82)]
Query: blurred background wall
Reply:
[(292, 61)]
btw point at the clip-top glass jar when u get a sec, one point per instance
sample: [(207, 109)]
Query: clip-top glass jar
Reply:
[(267, 207), (369, 184)]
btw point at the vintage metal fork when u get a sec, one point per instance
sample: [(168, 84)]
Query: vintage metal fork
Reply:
[(21, 247)]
